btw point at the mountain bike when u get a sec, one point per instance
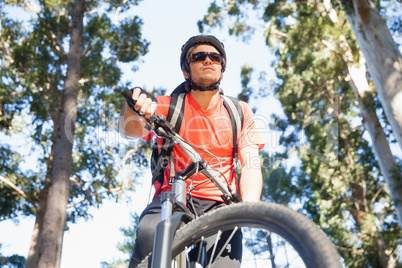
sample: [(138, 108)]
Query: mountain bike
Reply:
[(273, 235)]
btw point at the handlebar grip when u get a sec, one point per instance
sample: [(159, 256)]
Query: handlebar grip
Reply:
[(128, 95)]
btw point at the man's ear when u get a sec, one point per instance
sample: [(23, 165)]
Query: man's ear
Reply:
[(186, 75)]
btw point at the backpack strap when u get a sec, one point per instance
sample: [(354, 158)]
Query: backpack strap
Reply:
[(160, 158), (235, 111)]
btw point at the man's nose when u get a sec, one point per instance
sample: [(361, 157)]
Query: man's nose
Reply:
[(207, 60)]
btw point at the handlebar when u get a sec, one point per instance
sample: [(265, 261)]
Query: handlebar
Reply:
[(161, 127)]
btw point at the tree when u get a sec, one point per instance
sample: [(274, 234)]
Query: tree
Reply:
[(383, 58), (337, 182), (364, 95), (63, 99), (51, 230)]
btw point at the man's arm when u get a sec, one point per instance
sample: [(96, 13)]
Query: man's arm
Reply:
[(251, 176), (131, 125)]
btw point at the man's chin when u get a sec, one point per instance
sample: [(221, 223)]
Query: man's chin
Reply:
[(207, 82)]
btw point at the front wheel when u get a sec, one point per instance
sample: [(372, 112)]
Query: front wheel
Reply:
[(272, 235)]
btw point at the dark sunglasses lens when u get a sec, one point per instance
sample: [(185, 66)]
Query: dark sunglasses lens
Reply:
[(200, 56), (215, 57)]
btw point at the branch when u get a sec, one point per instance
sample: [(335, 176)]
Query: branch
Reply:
[(376, 195), (31, 5), (6, 52), (86, 80), (90, 12), (58, 44), (12, 185), (111, 190), (116, 15)]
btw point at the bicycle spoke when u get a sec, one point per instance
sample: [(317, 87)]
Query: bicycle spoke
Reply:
[(265, 235), (215, 245)]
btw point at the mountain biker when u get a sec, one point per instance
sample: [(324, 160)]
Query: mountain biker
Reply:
[(205, 125)]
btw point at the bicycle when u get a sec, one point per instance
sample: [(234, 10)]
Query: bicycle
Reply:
[(180, 234)]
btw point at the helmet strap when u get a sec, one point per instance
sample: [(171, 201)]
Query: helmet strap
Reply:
[(190, 85)]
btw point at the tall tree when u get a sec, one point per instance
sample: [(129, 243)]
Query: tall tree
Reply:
[(384, 60), (66, 103), (338, 181), (364, 95), (51, 231)]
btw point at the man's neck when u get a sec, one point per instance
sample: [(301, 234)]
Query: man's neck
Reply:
[(205, 99)]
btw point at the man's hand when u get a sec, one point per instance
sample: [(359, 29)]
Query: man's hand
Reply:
[(131, 124), (145, 102)]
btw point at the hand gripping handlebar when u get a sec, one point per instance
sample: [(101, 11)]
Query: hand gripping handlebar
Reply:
[(157, 124)]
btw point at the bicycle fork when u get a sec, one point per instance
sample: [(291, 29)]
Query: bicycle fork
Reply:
[(170, 222)]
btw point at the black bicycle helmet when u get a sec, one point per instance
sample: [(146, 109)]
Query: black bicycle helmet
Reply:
[(198, 40)]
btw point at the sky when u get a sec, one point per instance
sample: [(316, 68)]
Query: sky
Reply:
[(167, 25)]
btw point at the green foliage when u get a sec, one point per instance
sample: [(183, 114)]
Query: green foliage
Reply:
[(212, 18), (245, 80), (13, 261), (33, 69), (280, 185), (317, 99), (218, 11)]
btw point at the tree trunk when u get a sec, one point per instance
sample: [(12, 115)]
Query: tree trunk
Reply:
[(54, 222), (382, 152), (379, 140), (362, 90), (41, 208), (383, 58), (33, 250)]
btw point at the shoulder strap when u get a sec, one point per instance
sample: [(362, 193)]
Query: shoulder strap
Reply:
[(236, 116), (175, 117), (235, 111), (176, 110)]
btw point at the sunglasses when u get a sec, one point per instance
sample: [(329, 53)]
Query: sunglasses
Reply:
[(201, 56)]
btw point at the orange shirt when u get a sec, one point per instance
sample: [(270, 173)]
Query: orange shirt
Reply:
[(211, 131)]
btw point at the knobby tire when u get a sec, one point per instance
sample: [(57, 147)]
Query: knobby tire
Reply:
[(308, 240)]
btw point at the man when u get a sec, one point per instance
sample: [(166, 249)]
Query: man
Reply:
[(206, 124)]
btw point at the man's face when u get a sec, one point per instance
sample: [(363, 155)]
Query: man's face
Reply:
[(205, 72)]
